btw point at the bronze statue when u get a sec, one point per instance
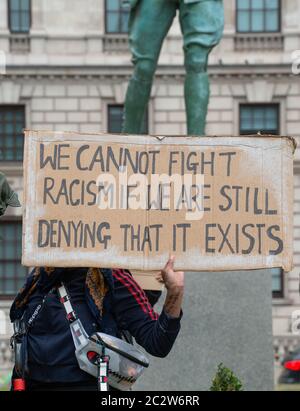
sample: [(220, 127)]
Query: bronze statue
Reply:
[(7, 196), (201, 24)]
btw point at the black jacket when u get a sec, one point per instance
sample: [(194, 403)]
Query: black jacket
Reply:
[(50, 347)]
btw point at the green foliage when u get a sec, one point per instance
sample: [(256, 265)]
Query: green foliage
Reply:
[(225, 380)]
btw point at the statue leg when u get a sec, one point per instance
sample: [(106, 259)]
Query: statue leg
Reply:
[(196, 93), (202, 28), (149, 24)]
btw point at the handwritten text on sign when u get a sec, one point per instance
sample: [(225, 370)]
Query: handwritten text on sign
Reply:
[(100, 200)]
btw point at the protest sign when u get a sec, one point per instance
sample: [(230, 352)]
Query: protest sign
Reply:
[(99, 200)]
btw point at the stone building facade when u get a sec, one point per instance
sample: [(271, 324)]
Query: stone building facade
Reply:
[(67, 68)]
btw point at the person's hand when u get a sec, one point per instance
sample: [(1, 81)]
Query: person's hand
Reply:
[(173, 280)]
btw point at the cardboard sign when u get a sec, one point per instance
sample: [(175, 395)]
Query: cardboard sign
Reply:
[(216, 203)]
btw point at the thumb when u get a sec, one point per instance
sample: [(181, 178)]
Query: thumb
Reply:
[(170, 263)]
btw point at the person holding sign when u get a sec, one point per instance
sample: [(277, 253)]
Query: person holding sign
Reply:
[(106, 301)]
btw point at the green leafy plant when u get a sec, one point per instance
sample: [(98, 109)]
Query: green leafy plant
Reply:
[(225, 380)]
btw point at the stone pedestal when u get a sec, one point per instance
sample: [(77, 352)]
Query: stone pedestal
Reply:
[(227, 318)]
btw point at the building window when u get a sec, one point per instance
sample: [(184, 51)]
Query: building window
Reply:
[(116, 16), (19, 12), (115, 119), (277, 283), (12, 273), (256, 16), (12, 123), (263, 118)]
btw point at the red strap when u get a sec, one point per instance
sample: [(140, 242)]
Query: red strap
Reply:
[(136, 291)]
